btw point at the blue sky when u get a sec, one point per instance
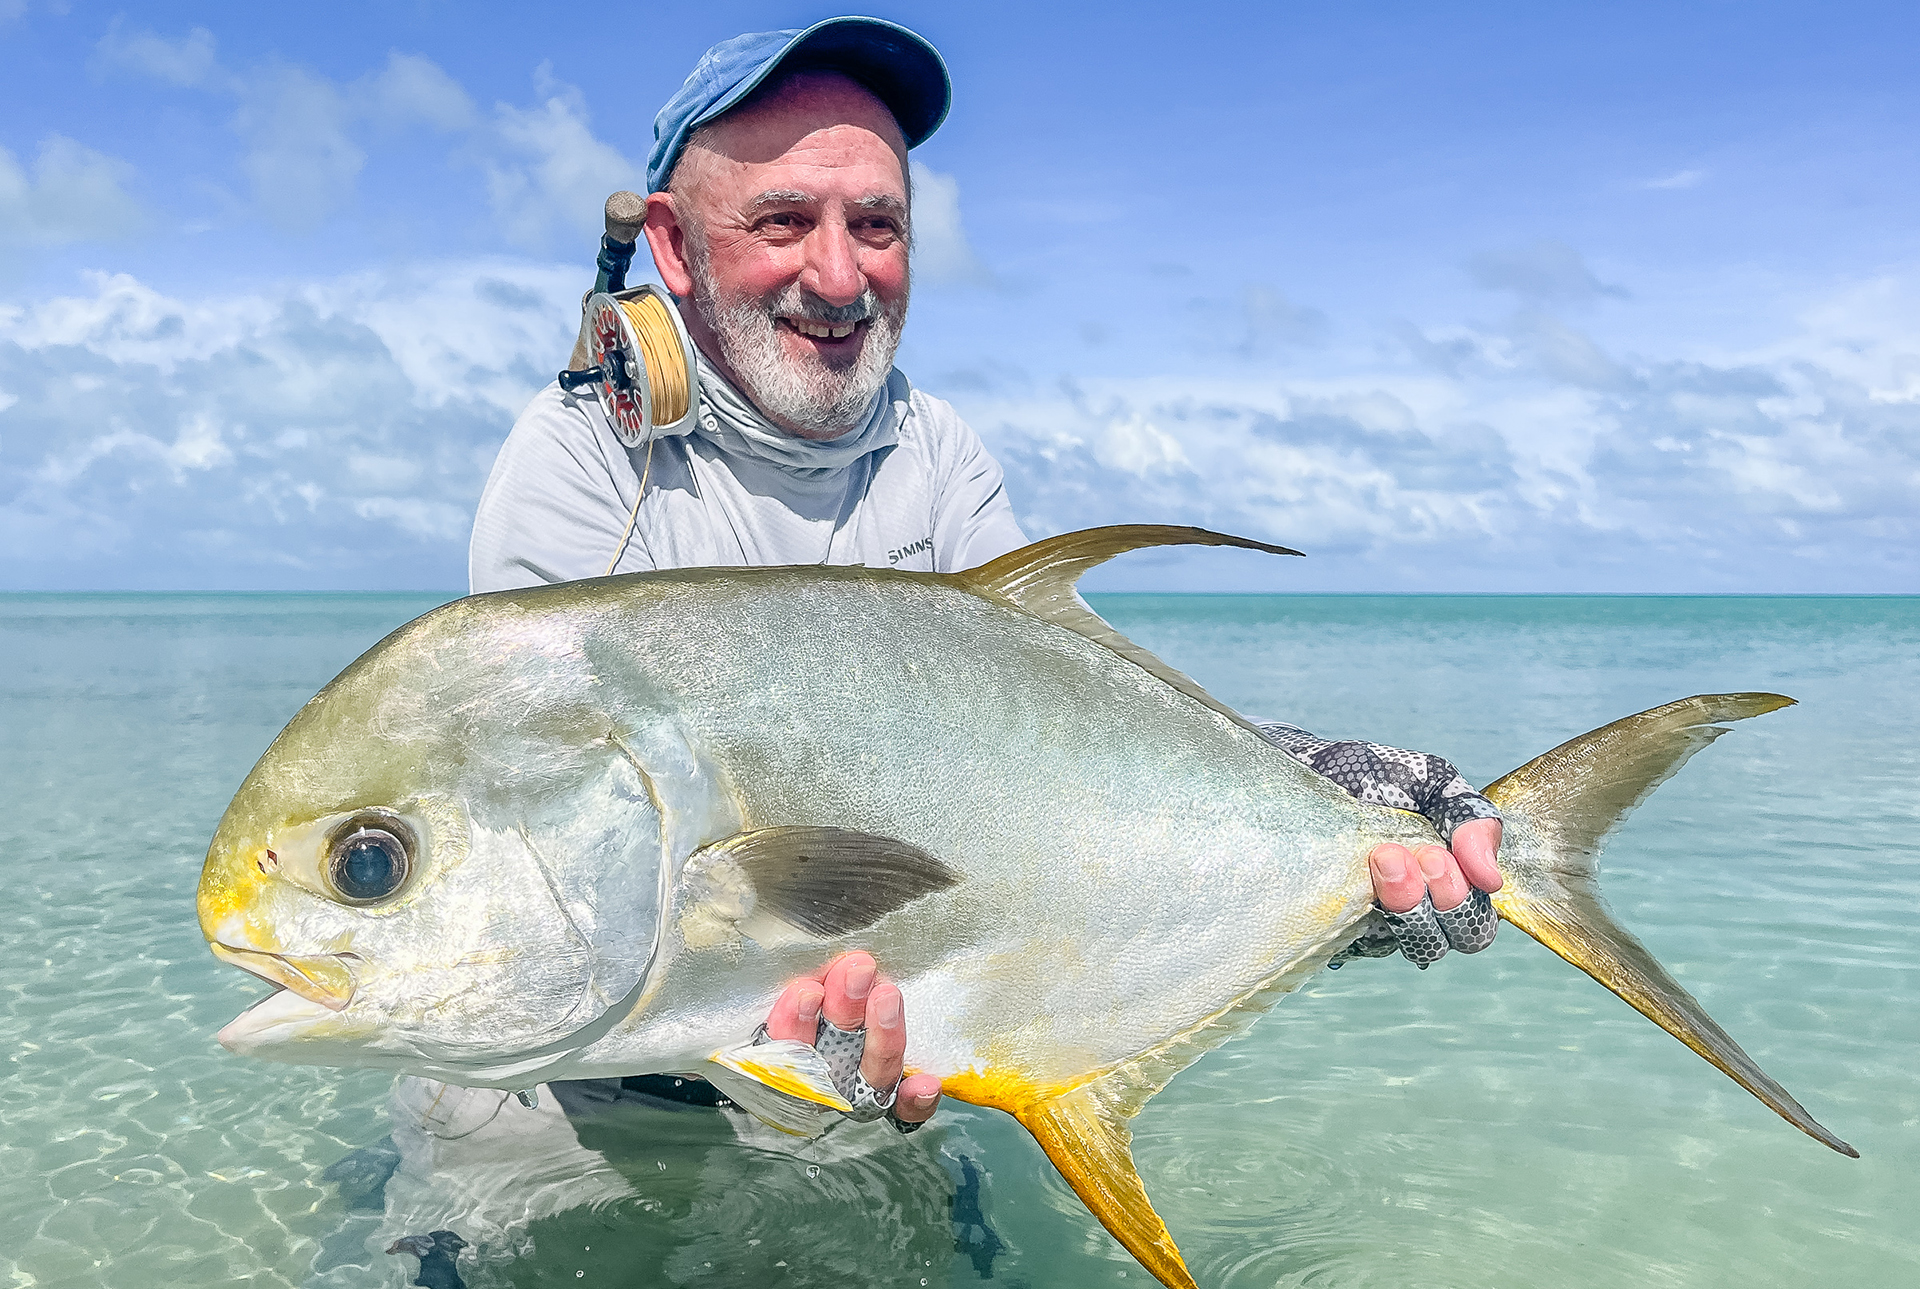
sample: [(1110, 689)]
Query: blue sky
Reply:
[(1484, 297)]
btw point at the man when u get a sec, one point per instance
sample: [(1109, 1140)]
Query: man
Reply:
[(779, 217)]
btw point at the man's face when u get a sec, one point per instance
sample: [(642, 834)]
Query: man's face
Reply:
[(792, 216)]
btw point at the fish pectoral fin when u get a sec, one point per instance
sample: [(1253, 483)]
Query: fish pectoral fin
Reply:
[(783, 1083), (1040, 579), (824, 882), (1084, 1132)]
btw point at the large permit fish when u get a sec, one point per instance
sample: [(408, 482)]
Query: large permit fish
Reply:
[(590, 830)]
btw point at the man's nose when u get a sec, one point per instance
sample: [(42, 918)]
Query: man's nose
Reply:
[(832, 268)]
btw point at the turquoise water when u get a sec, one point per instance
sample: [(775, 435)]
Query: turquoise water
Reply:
[(1496, 1121)]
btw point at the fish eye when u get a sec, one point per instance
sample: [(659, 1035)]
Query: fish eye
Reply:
[(369, 859)]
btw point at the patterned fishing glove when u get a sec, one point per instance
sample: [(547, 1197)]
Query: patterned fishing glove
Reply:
[(1427, 785)]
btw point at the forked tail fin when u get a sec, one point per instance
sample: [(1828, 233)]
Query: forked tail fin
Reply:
[(1559, 808)]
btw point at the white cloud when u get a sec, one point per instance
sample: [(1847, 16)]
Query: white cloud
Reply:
[(304, 134), (942, 255), (335, 434), (1678, 179), (301, 156), (546, 171), (338, 433), (185, 61), (305, 137), (1530, 456), (412, 90), (1544, 271), (72, 194)]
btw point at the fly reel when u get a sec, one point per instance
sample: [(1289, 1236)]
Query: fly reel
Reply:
[(641, 361)]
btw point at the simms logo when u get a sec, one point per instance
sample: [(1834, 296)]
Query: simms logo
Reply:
[(903, 552)]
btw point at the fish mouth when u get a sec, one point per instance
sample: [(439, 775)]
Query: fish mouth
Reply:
[(324, 978)]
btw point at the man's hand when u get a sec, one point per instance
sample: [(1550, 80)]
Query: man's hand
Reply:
[(852, 995), (1401, 876)]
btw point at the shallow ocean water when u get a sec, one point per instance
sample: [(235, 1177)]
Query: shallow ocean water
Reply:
[(1496, 1121)]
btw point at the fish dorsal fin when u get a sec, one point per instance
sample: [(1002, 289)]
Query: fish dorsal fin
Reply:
[(1040, 579), (817, 882), (1084, 1131)]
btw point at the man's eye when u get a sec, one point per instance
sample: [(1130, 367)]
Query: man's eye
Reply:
[(784, 221)]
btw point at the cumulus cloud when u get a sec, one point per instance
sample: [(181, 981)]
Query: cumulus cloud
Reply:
[(338, 433), (1535, 457), (301, 157), (335, 434), (411, 90), (547, 171), (183, 60), (942, 255), (306, 136), (304, 133), (1544, 271), (71, 194)]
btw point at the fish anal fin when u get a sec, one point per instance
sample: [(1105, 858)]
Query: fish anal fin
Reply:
[(1040, 579), (783, 1083), (1083, 1130), (1559, 808), (820, 882)]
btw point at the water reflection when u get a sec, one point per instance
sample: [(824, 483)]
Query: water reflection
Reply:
[(596, 1181)]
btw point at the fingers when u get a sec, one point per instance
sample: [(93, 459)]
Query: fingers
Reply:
[(1447, 878), (796, 1015), (1397, 883), (1442, 873), (1401, 877), (880, 1063), (919, 1096), (1476, 845), (848, 982), (851, 995)]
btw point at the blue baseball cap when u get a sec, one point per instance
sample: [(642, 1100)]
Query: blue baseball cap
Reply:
[(901, 68)]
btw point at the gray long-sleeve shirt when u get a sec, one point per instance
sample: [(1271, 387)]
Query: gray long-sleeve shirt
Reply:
[(556, 506)]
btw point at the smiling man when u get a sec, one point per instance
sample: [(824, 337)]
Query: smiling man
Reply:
[(779, 215)]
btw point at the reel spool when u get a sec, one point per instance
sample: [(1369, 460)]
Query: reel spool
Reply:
[(642, 362)]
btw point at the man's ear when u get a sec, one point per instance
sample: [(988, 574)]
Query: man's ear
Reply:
[(667, 239)]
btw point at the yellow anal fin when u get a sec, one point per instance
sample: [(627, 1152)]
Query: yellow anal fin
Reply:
[(782, 1083), (1084, 1132)]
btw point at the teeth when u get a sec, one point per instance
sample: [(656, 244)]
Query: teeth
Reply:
[(820, 330)]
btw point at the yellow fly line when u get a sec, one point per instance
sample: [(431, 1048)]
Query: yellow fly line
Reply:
[(659, 336)]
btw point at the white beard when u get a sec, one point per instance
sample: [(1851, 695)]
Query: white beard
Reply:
[(819, 400)]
